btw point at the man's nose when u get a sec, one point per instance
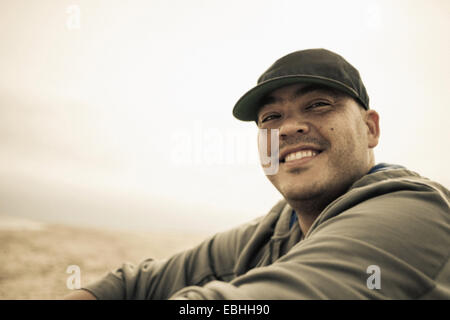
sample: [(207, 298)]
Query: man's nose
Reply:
[(293, 126)]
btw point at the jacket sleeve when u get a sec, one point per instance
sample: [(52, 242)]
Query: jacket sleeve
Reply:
[(213, 259), (404, 234)]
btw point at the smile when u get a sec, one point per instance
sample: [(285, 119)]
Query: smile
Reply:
[(300, 155), (299, 158)]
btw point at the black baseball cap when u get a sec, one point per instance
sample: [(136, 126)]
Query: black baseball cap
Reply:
[(313, 66)]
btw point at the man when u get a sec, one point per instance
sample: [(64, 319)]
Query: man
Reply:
[(346, 228)]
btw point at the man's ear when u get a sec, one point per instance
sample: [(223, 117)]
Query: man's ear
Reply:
[(373, 127)]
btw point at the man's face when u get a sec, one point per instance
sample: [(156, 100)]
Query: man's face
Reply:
[(325, 139)]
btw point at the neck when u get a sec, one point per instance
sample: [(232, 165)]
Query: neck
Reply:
[(308, 209), (307, 212)]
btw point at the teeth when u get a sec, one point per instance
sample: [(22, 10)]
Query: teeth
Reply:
[(300, 155)]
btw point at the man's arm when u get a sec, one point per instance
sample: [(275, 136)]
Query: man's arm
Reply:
[(406, 234), (80, 295), (213, 259)]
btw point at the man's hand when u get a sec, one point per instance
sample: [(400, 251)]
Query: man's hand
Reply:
[(80, 295)]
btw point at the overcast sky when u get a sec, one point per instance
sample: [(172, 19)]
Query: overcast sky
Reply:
[(120, 111)]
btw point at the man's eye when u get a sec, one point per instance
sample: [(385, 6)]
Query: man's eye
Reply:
[(270, 117), (318, 104)]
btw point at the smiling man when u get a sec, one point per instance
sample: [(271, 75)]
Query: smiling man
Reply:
[(325, 143), (341, 218)]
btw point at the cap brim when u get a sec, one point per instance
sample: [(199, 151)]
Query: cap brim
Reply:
[(247, 106)]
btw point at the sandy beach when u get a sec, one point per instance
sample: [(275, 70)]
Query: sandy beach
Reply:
[(35, 256)]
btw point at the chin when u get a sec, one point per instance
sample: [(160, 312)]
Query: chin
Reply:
[(303, 191)]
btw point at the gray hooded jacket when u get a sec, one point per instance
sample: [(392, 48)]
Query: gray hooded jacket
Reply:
[(388, 237)]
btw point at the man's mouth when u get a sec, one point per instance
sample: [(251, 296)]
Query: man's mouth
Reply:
[(300, 155)]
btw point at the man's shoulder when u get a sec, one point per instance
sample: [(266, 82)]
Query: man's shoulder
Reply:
[(391, 193), (392, 178)]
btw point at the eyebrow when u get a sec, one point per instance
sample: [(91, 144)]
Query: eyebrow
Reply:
[(269, 99)]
